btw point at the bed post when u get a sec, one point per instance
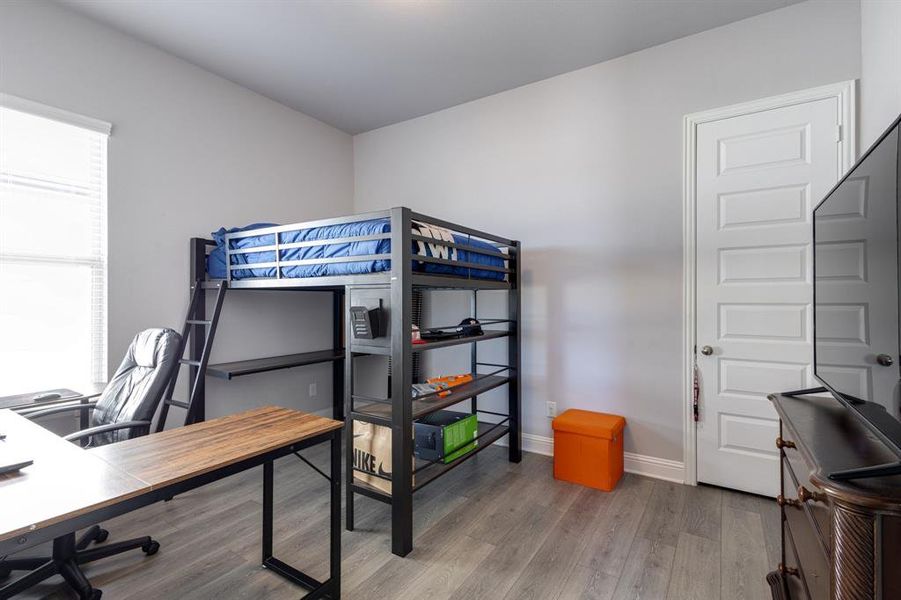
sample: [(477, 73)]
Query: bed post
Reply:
[(473, 348), (347, 388), (401, 382), (195, 351), (338, 365), (514, 356)]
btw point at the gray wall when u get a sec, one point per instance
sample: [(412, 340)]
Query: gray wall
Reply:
[(589, 161), (586, 169), (189, 152), (880, 77)]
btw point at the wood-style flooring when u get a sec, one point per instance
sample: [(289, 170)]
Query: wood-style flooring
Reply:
[(489, 529)]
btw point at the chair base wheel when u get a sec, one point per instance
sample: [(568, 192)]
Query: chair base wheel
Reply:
[(101, 536), (151, 548)]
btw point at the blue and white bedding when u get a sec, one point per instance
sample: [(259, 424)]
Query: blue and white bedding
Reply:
[(216, 266)]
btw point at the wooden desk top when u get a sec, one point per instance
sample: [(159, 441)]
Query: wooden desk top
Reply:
[(66, 481), (175, 455), (63, 482)]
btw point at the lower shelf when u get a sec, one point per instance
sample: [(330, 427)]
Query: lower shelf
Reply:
[(427, 472), (380, 414), (361, 487), (488, 434)]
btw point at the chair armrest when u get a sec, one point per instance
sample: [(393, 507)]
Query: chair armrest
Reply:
[(104, 428), (36, 414)]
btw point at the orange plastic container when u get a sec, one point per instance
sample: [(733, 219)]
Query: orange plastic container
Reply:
[(588, 448)]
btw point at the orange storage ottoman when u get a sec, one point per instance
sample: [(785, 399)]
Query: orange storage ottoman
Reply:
[(588, 448)]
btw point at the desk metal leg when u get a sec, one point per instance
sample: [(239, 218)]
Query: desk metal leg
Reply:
[(332, 587), (335, 529), (267, 509)]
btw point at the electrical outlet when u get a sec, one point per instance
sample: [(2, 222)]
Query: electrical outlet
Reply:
[(551, 410), (312, 390)]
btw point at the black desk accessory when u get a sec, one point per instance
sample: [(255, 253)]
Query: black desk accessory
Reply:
[(467, 327), (367, 323)]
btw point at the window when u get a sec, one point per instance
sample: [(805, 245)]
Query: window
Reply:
[(52, 248)]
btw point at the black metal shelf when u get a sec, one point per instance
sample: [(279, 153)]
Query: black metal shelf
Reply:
[(429, 472), (469, 339), (380, 414), (487, 335), (488, 434), (370, 491), (238, 368)]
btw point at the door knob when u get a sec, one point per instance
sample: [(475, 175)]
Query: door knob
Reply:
[(706, 350), (885, 360)]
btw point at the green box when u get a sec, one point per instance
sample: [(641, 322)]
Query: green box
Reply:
[(443, 435)]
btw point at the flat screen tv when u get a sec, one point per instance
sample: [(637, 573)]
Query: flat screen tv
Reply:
[(856, 295)]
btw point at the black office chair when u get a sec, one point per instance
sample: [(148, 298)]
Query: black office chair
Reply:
[(124, 410)]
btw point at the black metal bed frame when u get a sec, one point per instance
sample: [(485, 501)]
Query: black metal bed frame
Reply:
[(401, 281)]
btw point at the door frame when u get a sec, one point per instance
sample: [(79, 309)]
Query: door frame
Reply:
[(845, 93)]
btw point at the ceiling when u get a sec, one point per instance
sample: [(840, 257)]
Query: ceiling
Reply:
[(363, 64)]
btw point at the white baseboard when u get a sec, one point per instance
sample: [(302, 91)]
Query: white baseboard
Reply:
[(651, 466), (639, 464), (537, 444)]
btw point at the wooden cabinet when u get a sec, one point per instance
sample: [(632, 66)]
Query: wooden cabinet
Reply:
[(841, 540)]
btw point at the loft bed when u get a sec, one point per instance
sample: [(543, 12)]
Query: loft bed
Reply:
[(315, 253), (387, 258)]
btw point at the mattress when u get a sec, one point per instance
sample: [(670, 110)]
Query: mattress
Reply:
[(216, 267)]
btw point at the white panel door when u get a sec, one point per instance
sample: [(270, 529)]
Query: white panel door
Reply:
[(758, 177)]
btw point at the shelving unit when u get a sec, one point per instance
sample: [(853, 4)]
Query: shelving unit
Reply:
[(396, 287), (400, 410)]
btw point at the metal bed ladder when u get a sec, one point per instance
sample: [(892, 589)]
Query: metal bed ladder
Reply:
[(200, 331)]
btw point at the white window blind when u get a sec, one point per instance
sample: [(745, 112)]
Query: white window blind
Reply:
[(53, 258)]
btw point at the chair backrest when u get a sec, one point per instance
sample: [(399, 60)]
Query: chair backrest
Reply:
[(135, 390)]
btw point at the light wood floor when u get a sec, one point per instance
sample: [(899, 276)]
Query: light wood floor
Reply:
[(487, 530)]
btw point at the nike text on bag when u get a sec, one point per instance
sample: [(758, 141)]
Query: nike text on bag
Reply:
[(372, 455)]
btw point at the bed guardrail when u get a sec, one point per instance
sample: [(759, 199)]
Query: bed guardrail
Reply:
[(442, 250), (462, 229), (504, 248)]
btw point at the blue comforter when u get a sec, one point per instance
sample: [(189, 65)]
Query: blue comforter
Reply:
[(217, 269)]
